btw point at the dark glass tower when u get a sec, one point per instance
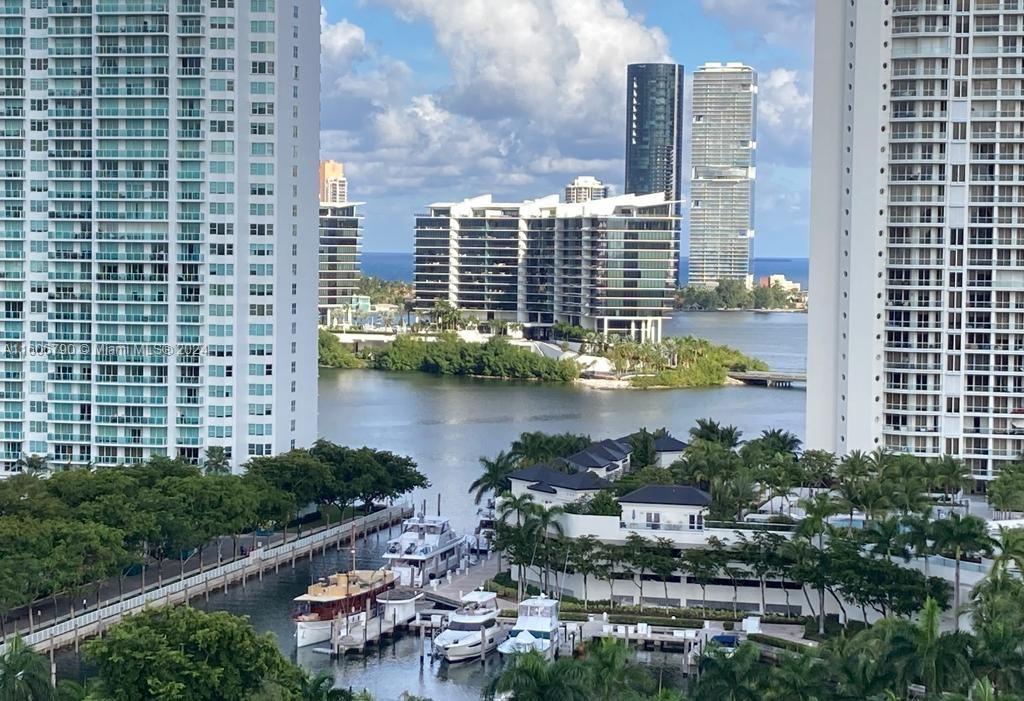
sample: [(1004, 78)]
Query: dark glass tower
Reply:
[(654, 129)]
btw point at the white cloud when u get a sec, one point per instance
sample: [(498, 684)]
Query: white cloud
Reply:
[(342, 44), (552, 63), (784, 106), (536, 96), (785, 22)]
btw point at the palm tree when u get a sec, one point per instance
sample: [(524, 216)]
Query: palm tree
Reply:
[(530, 677), (958, 537), (583, 562), (31, 464), (952, 475), (713, 432), (320, 687), (798, 677), (817, 510), (612, 557), (216, 462), (855, 667), (736, 677), (611, 674), (522, 505), (1011, 549), (922, 655), (531, 448), (916, 534), (982, 690), (495, 478), (779, 441), (541, 523), (884, 538), (24, 674)]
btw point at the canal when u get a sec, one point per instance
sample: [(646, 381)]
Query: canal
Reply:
[(447, 423)]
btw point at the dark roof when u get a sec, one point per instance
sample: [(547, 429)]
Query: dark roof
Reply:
[(549, 477), (600, 454), (667, 494), (662, 444), (541, 487), (668, 444)]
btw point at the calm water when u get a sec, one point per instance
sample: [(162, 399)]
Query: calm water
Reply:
[(398, 266), (446, 424)]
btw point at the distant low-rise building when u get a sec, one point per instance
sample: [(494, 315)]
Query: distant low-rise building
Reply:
[(780, 281), (584, 189)]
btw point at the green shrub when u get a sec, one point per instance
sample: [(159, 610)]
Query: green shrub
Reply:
[(332, 354), (450, 355), (783, 643)]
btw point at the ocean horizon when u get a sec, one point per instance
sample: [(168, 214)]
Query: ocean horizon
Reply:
[(398, 266)]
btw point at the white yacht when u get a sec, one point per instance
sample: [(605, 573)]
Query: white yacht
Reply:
[(472, 630), (483, 535), (536, 628), (427, 548)]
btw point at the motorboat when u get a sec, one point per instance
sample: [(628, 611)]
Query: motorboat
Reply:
[(472, 630), (342, 597), (427, 548), (483, 534), (536, 628)]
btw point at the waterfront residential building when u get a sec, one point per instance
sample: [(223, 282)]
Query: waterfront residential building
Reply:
[(341, 243), (333, 183), (158, 275), (917, 231), (723, 146), (585, 188), (654, 129), (607, 265)]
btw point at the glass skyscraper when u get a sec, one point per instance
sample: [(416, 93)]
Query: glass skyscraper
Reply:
[(654, 129), (158, 217)]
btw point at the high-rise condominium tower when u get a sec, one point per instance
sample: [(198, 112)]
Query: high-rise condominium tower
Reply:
[(333, 183), (723, 146), (159, 273), (585, 188), (607, 265), (654, 129), (341, 243), (917, 240)]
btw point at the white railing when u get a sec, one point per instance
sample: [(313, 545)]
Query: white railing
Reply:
[(196, 582)]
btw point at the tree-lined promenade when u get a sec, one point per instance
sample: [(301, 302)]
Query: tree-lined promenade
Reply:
[(63, 536)]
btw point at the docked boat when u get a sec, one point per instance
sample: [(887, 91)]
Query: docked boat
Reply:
[(536, 628), (472, 630), (343, 597), (483, 534), (427, 548)]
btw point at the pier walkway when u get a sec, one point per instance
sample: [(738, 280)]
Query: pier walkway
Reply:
[(48, 638), (770, 379)]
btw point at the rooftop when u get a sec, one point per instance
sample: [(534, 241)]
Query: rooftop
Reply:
[(543, 478), (668, 494)]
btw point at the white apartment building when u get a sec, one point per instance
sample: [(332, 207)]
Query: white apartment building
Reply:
[(333, 184), (157, 209), (917, 241), (723, 148), (585, 188), (607, 265)]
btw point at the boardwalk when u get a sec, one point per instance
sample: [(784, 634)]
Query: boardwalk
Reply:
[(448, 590), (254, 564)]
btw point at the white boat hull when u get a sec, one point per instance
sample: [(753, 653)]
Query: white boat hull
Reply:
[(544, 647), (469, 646), (312, 632)]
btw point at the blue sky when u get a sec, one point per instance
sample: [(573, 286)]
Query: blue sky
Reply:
[(428, 100)]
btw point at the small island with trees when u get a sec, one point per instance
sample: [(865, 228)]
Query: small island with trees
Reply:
[(455, 345), (733, 294)]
